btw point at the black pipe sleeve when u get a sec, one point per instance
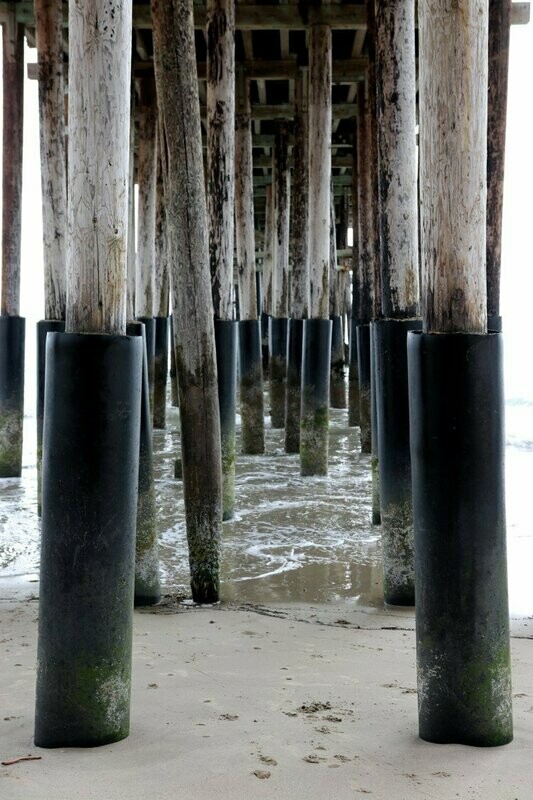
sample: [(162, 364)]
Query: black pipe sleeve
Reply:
[(226, 332), (277, 357), (314, 426), (160, 371), (353, 377), (364, 371), (251, 387), (147, 584), (390, 339), (90, 474), (457, 457), (294, 386), (337, 391), (374, 428), (12, 337), (44, 327), (149, 330)]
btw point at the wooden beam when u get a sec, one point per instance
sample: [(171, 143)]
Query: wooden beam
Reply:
[(336, 161), (260, 181), (257, 18), (520, 13), (248, 17), (286, 111)]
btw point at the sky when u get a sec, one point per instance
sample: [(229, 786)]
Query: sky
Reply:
[(517, 258)]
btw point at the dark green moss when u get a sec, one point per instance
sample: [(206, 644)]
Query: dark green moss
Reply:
[(314, 440), (11, 444), (88, 705), (228, 476), (252, 413)]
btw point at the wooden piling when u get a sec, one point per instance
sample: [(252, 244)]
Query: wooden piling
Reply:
[(366, 266), (147, 181), (13, 115), (220, 150), (372, 154), (250, 358), (299, 275), (97, 221), (314, 432), (353, 373), (49, 32), (244, 205), (337, 387), (454, 293), (396, 91), (179, 114), (499, 34), (278, 330), (92, 401), (132, 258), (396, 78), (280, 233), (319, 168), (161, 299), (220, 32), (456, 400)]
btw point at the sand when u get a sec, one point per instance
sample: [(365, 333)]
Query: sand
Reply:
[(289, 701)]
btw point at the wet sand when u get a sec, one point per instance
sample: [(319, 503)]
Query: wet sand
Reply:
[(282, 700)]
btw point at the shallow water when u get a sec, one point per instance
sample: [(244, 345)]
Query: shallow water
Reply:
[(292, 539)]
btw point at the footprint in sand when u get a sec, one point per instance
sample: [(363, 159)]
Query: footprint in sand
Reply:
[(261, 774)]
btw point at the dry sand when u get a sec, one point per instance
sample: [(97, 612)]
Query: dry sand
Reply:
[(292, 701)]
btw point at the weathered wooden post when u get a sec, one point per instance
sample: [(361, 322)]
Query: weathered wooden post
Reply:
[(132, 257), (499, 33), (396, 83), (374, 244), (173, 371), (161, 301), (278, 324), (299, 276), (92, 400), (250, 357), (314, 430), (267, 273), (353, 372), (456, 400), (147, 589), (221, 209), (49, 30), (337, 386), (147, 180), (12, 326), (366, 268), (147, 584), (188, 258)]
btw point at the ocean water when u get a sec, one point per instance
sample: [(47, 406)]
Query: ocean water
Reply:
[(292, 539)]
